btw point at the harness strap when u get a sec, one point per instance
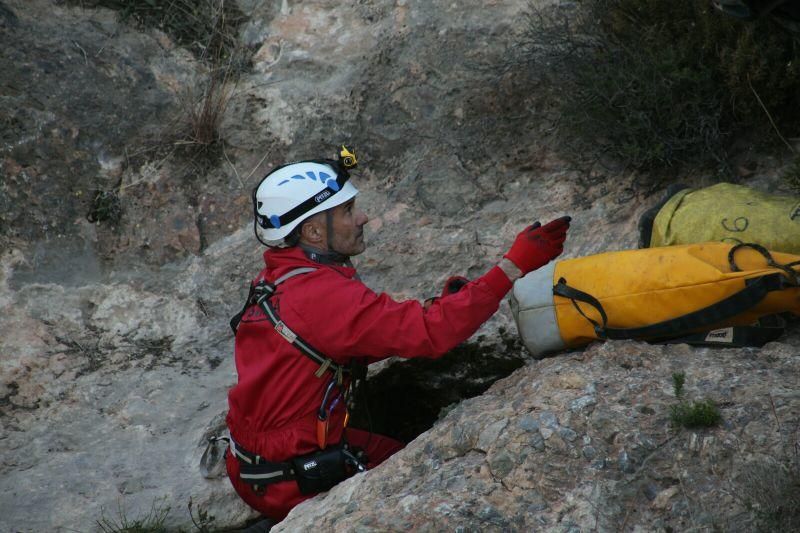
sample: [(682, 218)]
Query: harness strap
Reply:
[(293, 273), (314, 472), (325, 363), (260, 294), (255, 470), (237, 318)]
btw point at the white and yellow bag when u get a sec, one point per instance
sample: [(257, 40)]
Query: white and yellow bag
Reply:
[(692, 293)]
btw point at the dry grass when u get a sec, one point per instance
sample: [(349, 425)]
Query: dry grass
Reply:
[(771, 490)]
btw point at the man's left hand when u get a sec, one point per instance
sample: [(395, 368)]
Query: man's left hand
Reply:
[(451, 286)]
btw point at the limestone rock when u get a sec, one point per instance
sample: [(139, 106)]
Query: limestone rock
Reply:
[(526, 466), (115, 350)]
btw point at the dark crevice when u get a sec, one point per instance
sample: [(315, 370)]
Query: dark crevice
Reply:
[(408, 397)]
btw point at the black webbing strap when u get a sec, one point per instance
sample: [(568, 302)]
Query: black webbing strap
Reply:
[(259, 294), (755, 290), (574, 295), (255, 470), (792, 274), (767, 329), (237, 318), (325, 363)]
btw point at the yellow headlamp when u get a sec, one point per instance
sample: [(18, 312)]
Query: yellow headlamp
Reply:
[(347, 158)]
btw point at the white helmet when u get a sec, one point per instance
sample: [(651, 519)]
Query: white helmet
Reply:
[(290, 194)]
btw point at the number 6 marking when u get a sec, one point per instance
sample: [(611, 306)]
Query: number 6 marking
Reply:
[(739, 224)]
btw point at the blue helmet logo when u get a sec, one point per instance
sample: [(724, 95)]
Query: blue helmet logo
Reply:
[(323, 178)]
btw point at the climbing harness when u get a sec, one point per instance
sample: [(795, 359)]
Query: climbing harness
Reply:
[(318, 471), (260, 294), (314, 472)]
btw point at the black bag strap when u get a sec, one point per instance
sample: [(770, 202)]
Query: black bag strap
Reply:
[(792, 274), (755, 290), (648, 218), (769, 328)]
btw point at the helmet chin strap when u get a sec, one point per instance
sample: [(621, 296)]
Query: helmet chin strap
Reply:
[(329, 256)]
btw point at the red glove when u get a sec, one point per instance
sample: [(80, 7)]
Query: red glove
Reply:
[(451, 286), (536, 245)]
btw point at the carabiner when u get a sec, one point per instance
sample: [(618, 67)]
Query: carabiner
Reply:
[(322, 412), (322, 416)]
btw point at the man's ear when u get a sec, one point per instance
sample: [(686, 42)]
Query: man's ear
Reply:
[(313, 231)]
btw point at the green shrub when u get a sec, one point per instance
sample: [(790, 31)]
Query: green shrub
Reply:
[(655, 84), (209, 28), (105, 206), (698, 414), (678, 379), (701, 414), (198, 131)]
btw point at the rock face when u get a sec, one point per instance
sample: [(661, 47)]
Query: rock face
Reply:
[(116, 355), (583, 442)]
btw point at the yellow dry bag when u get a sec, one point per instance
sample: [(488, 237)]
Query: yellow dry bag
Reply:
[(724, 212), (694, 293)]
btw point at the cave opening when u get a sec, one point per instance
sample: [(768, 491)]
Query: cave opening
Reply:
[(407, 397)]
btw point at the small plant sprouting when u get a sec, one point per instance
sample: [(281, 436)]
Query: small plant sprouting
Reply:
[(702, 414), (678, 379), (697, 414)]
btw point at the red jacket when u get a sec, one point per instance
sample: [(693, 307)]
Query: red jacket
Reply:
[(272, 408)]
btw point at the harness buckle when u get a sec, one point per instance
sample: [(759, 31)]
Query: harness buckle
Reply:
[(262, 291)]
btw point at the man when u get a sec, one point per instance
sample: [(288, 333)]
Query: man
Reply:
[(310, 326)]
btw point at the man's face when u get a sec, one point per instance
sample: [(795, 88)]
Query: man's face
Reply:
[(348, 228)]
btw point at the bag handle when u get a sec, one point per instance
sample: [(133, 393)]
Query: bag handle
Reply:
[(791, 273)]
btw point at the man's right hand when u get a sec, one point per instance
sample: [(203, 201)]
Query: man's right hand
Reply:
[(537, 245)]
